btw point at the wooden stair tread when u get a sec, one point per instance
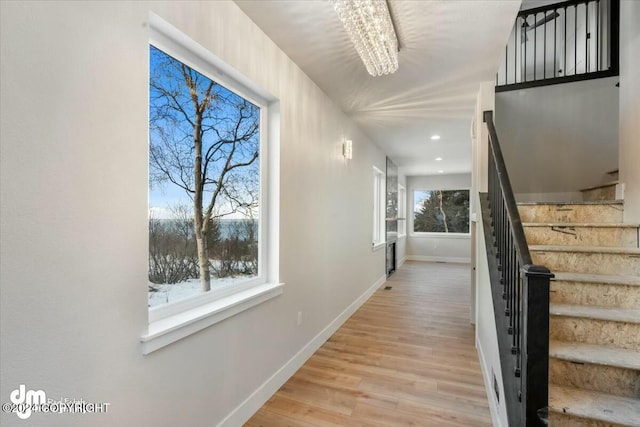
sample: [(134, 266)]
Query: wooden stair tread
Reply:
[(605, 185), (595, 354), (597, 278), (596, 406), (614, 314), (579, 203), (585, 249)]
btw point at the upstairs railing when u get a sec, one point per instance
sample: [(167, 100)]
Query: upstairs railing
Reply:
[(562, 42), (520, 293)]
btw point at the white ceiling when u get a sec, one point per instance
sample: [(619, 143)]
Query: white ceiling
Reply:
[(447, 48)]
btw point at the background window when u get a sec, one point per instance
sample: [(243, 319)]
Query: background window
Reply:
[(379, 207), (441, 211), (402, 211), (204, 183)]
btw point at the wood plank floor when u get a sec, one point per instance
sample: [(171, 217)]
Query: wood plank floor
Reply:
[(405, 358)]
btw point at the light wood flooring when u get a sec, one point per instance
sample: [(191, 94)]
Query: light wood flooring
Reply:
[(405, 358)]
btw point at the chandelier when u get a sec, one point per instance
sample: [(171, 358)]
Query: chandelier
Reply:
[(369, 25)]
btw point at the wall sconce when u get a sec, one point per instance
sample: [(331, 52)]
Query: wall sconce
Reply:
[(347, 149)]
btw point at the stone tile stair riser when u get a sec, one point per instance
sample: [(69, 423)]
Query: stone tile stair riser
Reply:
[(625, 237), (594, 331), (605, 379), (589, 262), (602, 408), (563, 420), (598, 294), (609, 214)]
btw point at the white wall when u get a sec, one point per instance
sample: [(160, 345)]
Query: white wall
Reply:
[(74, 217), (482, 313), (436, 248), (630, 108), (557, 140)]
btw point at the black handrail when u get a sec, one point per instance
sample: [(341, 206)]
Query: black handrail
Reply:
[(542, 56), (520, 292)]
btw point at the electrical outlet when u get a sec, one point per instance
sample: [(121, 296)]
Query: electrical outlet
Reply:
[(299, 318)]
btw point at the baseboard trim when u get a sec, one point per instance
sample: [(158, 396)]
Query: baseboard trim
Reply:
[(458, 260), (401, 262), (246, 409), (493, 408)]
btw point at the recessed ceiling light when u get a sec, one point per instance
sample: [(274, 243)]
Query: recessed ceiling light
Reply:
[(438, 159), (440, 171), (435, 137)]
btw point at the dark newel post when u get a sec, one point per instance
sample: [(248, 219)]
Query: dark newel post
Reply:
[(535, 349), (614, 32)]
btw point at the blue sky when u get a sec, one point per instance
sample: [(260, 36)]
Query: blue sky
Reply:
[(168, 127), (419, 197)]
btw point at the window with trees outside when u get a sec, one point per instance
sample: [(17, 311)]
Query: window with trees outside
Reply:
[(441, 211), (205, 228)]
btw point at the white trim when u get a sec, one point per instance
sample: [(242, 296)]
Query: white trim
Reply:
[(402, 211), (246, 409), (620, 191), (171, 329), (422, 235), (163, 35), (456, 260), (379, 208), (402, 261), (378, 246), (488, 381)]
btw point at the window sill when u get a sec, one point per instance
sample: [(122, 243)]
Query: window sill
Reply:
[(402, 236), (171, 329), (442, 235), (378, 246)]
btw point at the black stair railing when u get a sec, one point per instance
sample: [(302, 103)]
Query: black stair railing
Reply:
[(562, 42), (520, 292)]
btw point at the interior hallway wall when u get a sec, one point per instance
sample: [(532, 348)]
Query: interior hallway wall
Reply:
[(73, 220)]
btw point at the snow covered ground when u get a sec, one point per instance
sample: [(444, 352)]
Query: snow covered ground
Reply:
[(166, 294)]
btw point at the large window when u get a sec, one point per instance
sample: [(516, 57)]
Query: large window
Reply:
[(441, 211), (379, 208), (204, 183), (208, 190)]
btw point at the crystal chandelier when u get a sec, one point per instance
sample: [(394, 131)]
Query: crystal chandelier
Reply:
[(369, 25)]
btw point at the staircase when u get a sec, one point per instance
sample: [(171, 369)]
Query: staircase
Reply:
[(594, 347)]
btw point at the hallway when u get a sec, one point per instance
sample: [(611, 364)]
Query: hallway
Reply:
[(406, 357)]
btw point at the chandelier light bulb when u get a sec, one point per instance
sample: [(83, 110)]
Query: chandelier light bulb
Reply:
[(370, 29)]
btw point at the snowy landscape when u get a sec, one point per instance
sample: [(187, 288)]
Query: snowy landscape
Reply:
[(170, 293)]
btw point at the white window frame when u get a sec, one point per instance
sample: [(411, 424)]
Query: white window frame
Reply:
[(423, 234), (175, 321), (379, 209), (402, 211)]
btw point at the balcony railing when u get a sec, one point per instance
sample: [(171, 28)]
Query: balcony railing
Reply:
[(563, 42)]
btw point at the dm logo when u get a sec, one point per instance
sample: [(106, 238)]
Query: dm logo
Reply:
[(25, 400)]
